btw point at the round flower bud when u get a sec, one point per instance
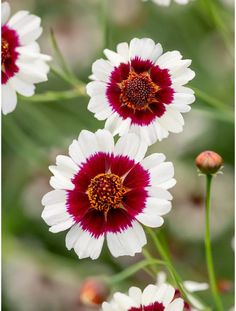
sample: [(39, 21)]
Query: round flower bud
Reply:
[(209, 162), (93, 292)]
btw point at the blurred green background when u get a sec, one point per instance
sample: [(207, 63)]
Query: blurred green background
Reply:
[(38, 272)]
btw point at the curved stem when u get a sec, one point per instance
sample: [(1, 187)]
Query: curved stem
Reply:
[(135, 268), (208, 250)]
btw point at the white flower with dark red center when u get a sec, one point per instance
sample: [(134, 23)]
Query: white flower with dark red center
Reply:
[(22, 64), (158, 298), (139, 89), (104, 190), (168, 2)]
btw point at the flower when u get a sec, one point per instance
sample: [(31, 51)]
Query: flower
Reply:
[(191, 287), (168, 2), (158, 298), (209, 162), (93, 292), (22, 63), (140, 90), (105, 190)]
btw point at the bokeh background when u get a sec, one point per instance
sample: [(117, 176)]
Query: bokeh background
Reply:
[(39, 274)]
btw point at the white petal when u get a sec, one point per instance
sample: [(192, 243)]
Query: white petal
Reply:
[(167, 295), (102, 69), (53, 197), (62, 226), (135, 293), (159, 192), (88, 143), (124, 302), (105, 141), (153, 160), (172, 120), (123, 50), (31, 73), (128, 242), (23, 88), (169, 59), (84, 244), (96, 88), (149, 294), (66, 163), (145, 48), (176, 305), (114, 57), (17, 18), (9, 99), (61, 183), (116, 125), (99, 105), (130, 145), (55, 214), (195, 286), (76, 152), (5, 7), (184, 77), (161, 173), (155, 208)]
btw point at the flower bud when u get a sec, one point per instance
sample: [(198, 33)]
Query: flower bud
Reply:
[(209, 162), (93, 292)]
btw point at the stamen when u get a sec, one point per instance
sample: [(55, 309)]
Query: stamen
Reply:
[(138, 91), (105, 191)]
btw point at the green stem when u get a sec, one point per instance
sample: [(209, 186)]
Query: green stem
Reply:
[(219, 24), (209, 260), (211, 101), (133, 269), (53, 96)]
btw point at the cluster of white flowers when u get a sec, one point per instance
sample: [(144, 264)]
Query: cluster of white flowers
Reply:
[(106, 190)]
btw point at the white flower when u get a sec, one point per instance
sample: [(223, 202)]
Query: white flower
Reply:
[(158, 298), (22, 63), (191, 287), (103, 190), (168, 2), (139, 89)]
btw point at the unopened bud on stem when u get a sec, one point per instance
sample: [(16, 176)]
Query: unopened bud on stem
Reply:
[(209, 162)]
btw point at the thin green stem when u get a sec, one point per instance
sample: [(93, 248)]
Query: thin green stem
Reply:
[(133, 269), (53, 96), (214, 12), (209, 259)]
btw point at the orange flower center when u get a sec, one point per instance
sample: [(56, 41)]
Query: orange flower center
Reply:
[(5, 51), (105, 191), (138, 91)]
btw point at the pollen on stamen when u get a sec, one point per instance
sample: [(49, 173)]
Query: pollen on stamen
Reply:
[(138, 91), (105, 191)]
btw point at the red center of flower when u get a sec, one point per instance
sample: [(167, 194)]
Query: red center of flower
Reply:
[(9, 54), (138, 91), (105, 191)]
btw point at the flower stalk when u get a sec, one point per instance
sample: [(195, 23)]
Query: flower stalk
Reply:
[(208, 250)]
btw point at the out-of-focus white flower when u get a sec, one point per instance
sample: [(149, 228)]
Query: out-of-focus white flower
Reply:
[(152, 298), (22, 64), (139, 89), (105, 190), (191, 287), (168, 2)]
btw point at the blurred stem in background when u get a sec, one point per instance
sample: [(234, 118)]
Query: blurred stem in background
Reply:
[(211, 6), (105, 23), (210, 266)]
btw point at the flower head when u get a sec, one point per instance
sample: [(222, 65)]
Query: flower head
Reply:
[(93, 292), (139, 89), (158, 298), (168, 2), (209, 162), (106, 190), (22, 64)]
